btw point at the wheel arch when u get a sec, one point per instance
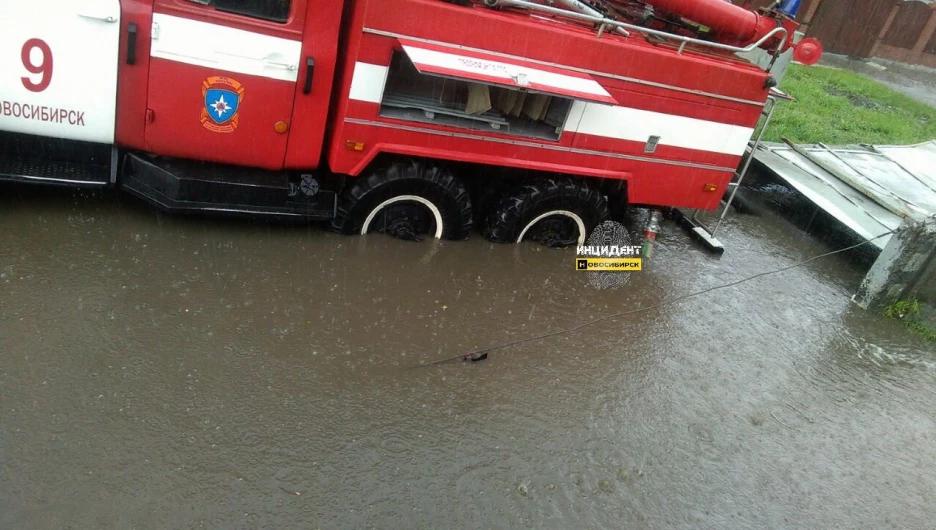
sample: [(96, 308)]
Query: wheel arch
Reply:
[(439, 156), (480, 177)]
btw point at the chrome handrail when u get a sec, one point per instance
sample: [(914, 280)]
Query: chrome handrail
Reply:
[(603, 21)]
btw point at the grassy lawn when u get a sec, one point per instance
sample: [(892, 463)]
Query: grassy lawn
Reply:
[(841, 107)]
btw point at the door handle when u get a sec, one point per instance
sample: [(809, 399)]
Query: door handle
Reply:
[(110, 19), (284, 66), (131, 43), (310, 68)]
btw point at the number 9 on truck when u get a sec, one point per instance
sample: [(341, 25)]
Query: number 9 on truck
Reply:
[(42, 67), (58, 68)]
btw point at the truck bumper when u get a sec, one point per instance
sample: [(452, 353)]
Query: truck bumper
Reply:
[(181, 186)]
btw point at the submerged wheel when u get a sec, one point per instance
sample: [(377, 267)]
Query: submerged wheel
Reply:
[(406, 199), (554, 212)]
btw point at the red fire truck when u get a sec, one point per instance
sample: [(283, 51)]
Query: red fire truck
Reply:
[(412, 117)]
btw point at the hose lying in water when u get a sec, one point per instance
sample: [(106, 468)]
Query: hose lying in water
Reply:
[(480, 355)]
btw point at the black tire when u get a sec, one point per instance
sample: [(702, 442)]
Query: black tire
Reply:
[(406, 177), (522, 206)]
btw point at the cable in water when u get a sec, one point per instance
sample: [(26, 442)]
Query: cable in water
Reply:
[(481, 354)]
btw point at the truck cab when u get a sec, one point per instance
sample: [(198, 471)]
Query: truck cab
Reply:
[(212, 81), (237, 66)]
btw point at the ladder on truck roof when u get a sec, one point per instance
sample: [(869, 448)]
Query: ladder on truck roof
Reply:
[(692, 223), (602, 23)]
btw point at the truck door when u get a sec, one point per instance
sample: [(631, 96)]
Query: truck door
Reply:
[(58, 68), (223, 78)]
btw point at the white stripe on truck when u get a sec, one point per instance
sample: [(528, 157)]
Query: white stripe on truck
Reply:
[(224, 48), (625, 123), (621, 123), (368, 82)]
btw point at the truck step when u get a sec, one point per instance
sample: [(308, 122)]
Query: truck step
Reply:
[(183, 186), (36, 160), (63, 173)]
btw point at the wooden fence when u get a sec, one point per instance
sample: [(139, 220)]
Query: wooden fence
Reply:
[(898, 30)]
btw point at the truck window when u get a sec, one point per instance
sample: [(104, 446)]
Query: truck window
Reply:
[(412, 96), (273, 10)]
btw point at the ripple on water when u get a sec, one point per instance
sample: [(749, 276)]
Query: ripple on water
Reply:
[(394, 444)]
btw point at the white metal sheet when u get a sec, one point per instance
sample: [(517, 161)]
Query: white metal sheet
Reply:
[(480, 67), (919, 160), (883, 180), (900, 179), (870, 189), (852, 208)]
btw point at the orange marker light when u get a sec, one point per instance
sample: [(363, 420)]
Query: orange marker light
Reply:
[(354, 146), (281, 127), (709, 187)]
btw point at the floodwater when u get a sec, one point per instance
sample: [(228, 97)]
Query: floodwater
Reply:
[(171, 372)]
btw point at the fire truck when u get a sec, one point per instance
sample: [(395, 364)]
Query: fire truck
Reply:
[(419, 118)]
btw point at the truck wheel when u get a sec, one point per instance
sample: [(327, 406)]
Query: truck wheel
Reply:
[(554, 212), (406, 199)]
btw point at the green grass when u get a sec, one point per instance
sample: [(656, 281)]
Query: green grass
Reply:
[(908, 311), (841, 107)]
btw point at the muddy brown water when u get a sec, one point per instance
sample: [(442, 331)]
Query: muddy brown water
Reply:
[(167, 372)]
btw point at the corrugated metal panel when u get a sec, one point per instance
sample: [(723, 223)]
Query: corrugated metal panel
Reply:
[(870, 189)]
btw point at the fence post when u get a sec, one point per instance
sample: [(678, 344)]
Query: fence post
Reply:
[(897, 272)]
